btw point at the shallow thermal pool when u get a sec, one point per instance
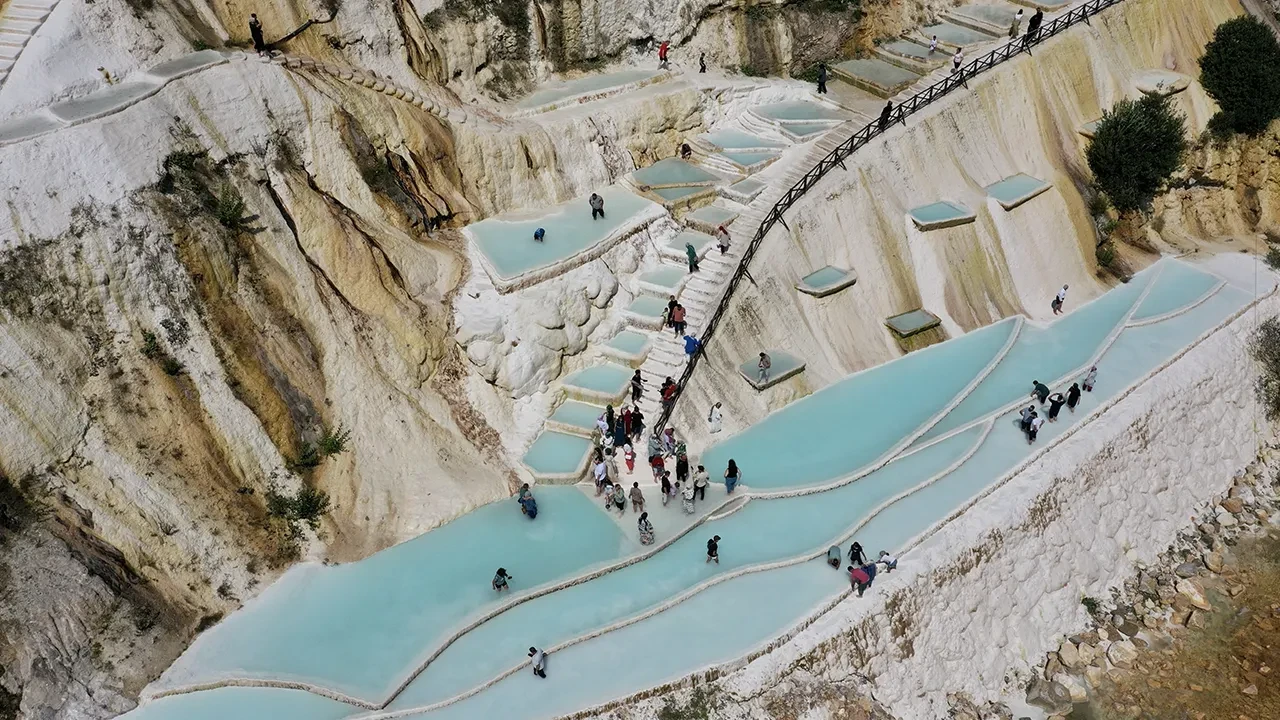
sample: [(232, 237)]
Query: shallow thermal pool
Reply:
[(557, 453), (596, 82), (384, 614)]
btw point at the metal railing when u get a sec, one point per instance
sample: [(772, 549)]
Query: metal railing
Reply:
[(899, 114)]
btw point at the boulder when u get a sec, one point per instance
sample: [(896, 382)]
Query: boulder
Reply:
[(1075, 688), (1095, 676), (1213, 561), (1226, 519), (1195, 620), (1194, 593), (1244, 493), (1122, 653), (1069, 655), (1049, 695), (1233, 505), (1187, 570)]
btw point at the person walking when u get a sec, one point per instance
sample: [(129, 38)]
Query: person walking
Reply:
[(538, 660), (731, 476), (677, 319), (624, 419), (671, 309), (714, 418), (637, 387), (528, 505), (1056, 401), (686, 493), (859, 581), (1073, 396), (255, 32), (884, 115), (702, 62), (682, 467), (620, 433), (646, 529), (610, 419), (658, 466), (1036, 422), (856, 555), (933, 45), (666, 488), (722, 239), (1059, 300), (637, 423), (822, 78), (692, 253), (1017, 24), (597, 206), (1040, 391), (890, 562), (500, 579), (601, 473), (691, 346), (662, 55), (637, 498), (957, 60), (700, 481), (629, 454), (619, 499), (763, 365), (1091, 379), (668, 395), (713, 549), (1033, 26), (1025, 423)]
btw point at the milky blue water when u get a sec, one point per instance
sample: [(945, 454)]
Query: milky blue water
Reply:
[(763, 531), (699, 241), (796, 111), (1001, 16), (673, 172), (507, 240), (563, 89), (712, 216), (1046, 354), (676, 194), (1015, 188), (748, 159), (1179, 285), (910, 323), (955, 34), (605, 378), (853, 422), (804, 130), (243, 704), (578, 414), (912, 50), (556, 453), (357, 627), (647, 306), (782, 363), (878, 71), (667, 276), (629, 342), (825, 278), (747, 186), (941, 211), (732, 139)]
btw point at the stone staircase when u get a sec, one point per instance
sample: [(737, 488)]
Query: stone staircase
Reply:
[(376, 83), (18, 24)]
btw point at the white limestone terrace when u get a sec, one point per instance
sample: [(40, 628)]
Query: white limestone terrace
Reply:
[(19, 22)]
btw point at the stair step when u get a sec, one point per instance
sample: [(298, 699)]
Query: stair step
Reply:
[(19, 25)]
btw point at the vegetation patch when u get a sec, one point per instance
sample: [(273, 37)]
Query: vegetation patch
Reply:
[(1265, 348), (1241, 71), (1136, 148)]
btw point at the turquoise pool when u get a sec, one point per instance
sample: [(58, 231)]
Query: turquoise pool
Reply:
[(556, 453), (731, 139), (1016, 189), (608, 378), (578, 414), (912, 322), (677, 194), (1179, 285), (825, 278), (797, 111), (673, 172), (698, 240), (953, 34), (648, 306), (747, 160), (940, 214), (563, 89), (712, 216), (629, 342), (784, 365), (667, 276), (507, 240)]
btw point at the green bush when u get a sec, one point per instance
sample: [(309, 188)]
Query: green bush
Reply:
[(308, 457), (150, 345), (170, 365), (1106, 253), (230, 207), (1091, 605), (1265, 348), (333, 442), (1098, 203), (1138, 144), (307, 506), (1241, 71), (1273, 258)]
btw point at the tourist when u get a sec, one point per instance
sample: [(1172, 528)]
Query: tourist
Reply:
[(597, 205), (538, 660), (870, 570), (691, 346), (610, 419), (692, 253), (1056, 401), (646, 529), (500, 579), (675, 487), (722, 239), (637, 387), (539, 234), (682, 467), (677, 319), (763, 365), (629, 454), (669, 438), (856, 555), (668, 395), (1073, 396), (620, 433), (713, 549), (1040, 391), (890, 562), (1025, 423), (662, 55), (671, 309), (106, 75), (957, 60), (686, 152), (702, 62), (666, 488), (606, 444), (1033, 27), (528, 505), (619, 499), (884, 115), (637, 423), (822, 78), (602, 424), (686, 492), (1091, 379), (933, 45), (858, 579), (601, 473), (731, 476), (255, 32), (1036, 422), (624, 418), (658, 466), (833, 556), (1017, 24), (1059, 300), (700, 480), (637, 498), (714, 418)]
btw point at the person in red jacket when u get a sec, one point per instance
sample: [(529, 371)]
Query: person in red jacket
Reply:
[(662, 55), (859, 580)]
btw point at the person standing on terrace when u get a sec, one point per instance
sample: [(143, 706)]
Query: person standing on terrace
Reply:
[(713, 549), (700, 480), (1017, 24), (1056, 401), (677, 318), (731, 476), (884, 115), (662, 55), (763, 366), (1073, 397), (822, 78), (1091, 379), (500, 579), (722, 239), (637, 387), (1040, 391), (637, 498), (1036, 422), (646, 529), (255, 32), (666, 488), (1033, 27), (682, 467), (692, 253), (714, 419), (1059, 301), (597, 206), (691, 346), (629, 454), (702, 62), (686, 493), (957, 60), (538, 660), (856, 555)]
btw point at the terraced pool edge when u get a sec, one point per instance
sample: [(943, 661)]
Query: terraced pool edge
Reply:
[(1186, 308)]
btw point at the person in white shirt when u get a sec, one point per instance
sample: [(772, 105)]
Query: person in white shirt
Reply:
[(957, 60), (890, 562), (933, 44), (1036, 422), (714, 418), (1060, 300), (538, 660)]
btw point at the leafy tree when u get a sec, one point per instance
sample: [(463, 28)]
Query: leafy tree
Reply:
[(1265, 348), (1241, 71), (1138, 144)]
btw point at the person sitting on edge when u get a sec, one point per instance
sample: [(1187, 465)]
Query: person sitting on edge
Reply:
[(500, 579), (1040, 391), (890, 562), (833, 556)]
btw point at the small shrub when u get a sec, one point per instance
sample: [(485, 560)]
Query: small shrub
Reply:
[(333, 442), (1106, 253), (171, 366), (150, 345), (1091, 604), (1220, 127), (230, 207), (698, 707), (16, 510), (1241, 71), (308, 457), (1098, 203), (1273, 258), (1108, 227), (307, 506), (1138, 144), (1265, 348), (199, 44)]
